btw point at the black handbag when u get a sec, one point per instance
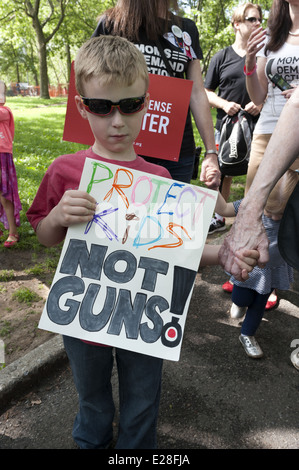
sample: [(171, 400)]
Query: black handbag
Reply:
[(288, 234), (235, 143)]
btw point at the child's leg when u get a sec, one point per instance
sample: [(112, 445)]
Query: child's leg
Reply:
[(256, 306), (92, 368), (242, 296), (254, 314), (10, 204), (9, 211), (255, 302), (139, 396)]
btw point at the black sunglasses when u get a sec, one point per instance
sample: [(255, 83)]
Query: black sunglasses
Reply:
[(252, 19), (105, 107)]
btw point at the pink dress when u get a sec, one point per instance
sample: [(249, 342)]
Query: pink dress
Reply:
[(8, 179)]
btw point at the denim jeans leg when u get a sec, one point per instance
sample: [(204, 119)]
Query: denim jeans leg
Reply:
[(92, 368), (139, 395)]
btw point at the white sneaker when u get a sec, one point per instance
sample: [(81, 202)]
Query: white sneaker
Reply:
[(251, 346), (237, 312), (217, 225)]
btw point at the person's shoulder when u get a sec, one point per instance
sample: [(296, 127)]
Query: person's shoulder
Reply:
[(5, 110), (220, 55), (72, 156), (187, 21), (188, 24), (70, 160), (101, 27)]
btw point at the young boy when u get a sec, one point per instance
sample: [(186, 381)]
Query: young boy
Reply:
[(112, 79)]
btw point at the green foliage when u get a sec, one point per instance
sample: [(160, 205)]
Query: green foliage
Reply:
[(25, 295), (19, 50), (5, 328), (6, 275), (18, 41), (213, 22), (47, 266)]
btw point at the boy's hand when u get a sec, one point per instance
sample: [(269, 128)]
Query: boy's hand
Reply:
[(75, 207), (210, 163), (246, 260), (211, 173)]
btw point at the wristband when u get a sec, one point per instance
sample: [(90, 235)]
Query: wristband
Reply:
[(251, 71), (208, 152)]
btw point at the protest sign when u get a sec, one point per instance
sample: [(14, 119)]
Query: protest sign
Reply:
[(126, 278), (162, 127)]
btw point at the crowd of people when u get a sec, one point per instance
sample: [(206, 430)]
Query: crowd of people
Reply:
[(110, 73), (256, 56)]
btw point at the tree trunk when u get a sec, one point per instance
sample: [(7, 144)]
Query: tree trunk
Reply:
[(32, 11), (42, 51), (44, 80), (69, 61)]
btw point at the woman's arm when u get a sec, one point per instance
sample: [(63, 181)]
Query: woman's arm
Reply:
[(248, 231), (200, 109), (256, 81), (229, 107), (226, 209)]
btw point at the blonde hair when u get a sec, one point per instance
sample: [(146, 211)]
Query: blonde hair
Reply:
[(239, 13), (110, 59), (281, 192)]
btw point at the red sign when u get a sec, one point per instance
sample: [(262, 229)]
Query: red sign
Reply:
[(162, 127)]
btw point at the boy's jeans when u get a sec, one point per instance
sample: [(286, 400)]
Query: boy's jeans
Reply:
[(139, 395)]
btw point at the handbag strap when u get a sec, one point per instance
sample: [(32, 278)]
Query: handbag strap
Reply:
[(162, 53)]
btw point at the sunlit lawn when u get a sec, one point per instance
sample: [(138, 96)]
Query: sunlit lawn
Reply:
[(38, 141)]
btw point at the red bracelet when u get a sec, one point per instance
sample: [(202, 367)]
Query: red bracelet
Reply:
[(251, 71)]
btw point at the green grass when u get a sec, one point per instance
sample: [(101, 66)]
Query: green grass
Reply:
[(5, 328), (38, 141), (25, 295), (6, 275)]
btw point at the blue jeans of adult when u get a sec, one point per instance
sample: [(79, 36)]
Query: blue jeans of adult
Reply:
[(139, 396), (256, 303)]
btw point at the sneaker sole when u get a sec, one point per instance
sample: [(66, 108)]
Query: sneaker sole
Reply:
[(221, 229)]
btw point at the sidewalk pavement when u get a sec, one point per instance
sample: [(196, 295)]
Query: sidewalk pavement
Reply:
[(215, 397)]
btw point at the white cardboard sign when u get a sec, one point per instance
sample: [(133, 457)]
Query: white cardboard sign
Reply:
[(126, 278)]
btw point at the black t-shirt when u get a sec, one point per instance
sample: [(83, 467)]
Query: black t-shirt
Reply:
[(179, 52), (226, 72)]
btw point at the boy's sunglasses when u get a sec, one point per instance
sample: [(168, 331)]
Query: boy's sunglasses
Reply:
[(253, 19), (105, 107)]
